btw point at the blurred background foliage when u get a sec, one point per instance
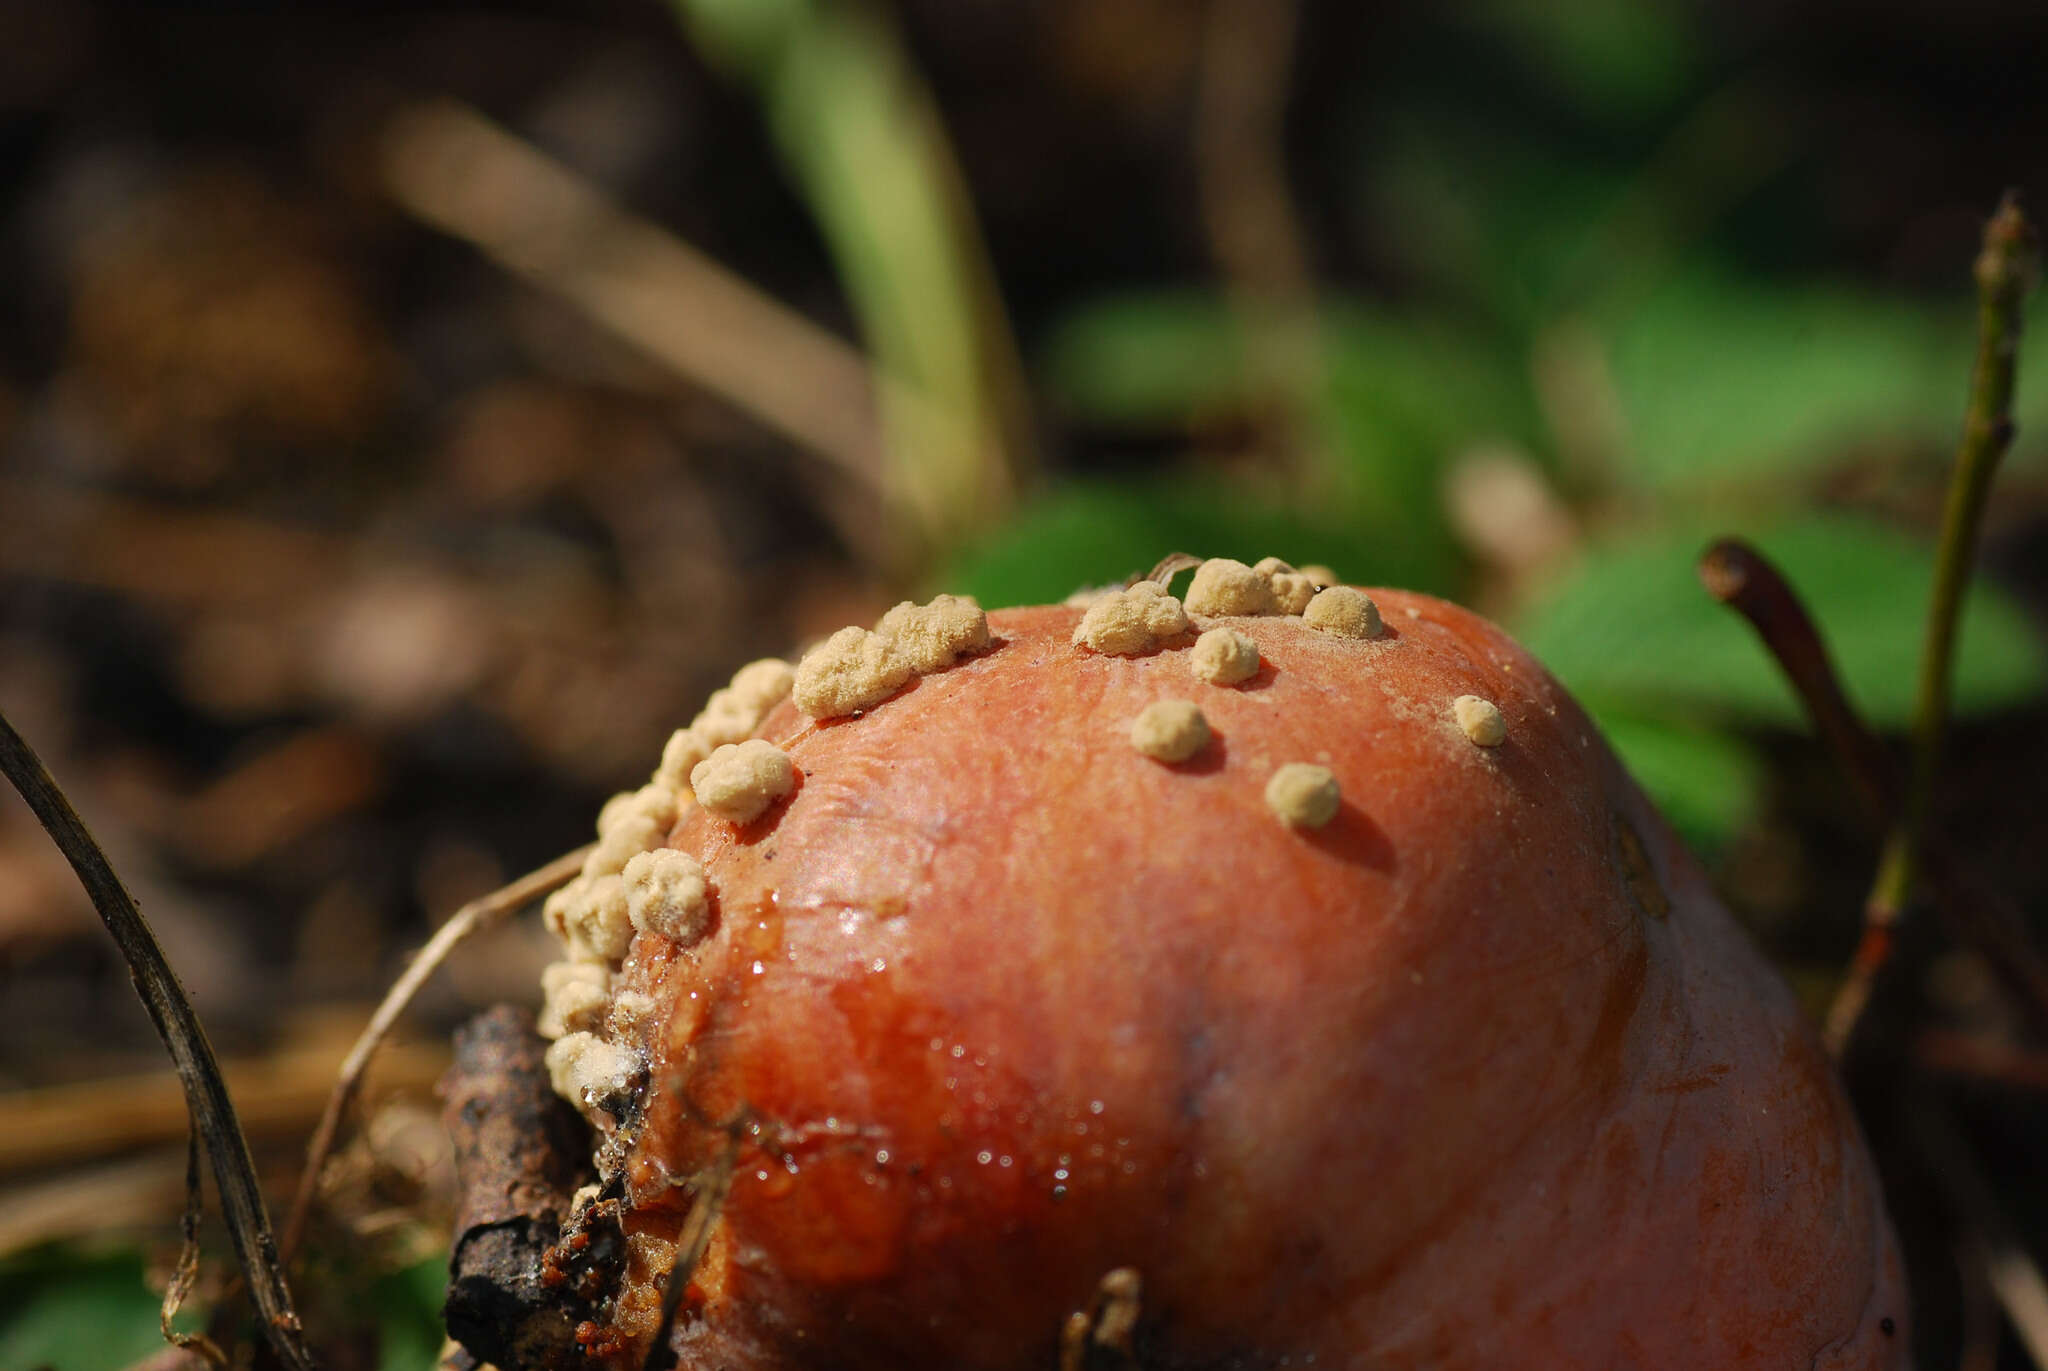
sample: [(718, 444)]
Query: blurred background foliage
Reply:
[(408, 416)]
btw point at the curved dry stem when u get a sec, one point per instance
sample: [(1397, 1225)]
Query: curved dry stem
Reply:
[(478, 914), (206, 1094)]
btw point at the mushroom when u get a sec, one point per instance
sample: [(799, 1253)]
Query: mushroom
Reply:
[(994, 1012)]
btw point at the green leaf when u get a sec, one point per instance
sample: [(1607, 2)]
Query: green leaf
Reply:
[(1706, 783), (1148, 359), (1097, 532), (1723, 381), (71, 1309), (1620, 58), (408, 1305), (1633, 626), (1400, 398)]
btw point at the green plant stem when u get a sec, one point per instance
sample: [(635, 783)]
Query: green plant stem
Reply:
[(861, 136), (2005, 272), (206, 1094)]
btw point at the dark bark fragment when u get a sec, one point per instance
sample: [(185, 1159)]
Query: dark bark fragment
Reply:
[(520, 1153)]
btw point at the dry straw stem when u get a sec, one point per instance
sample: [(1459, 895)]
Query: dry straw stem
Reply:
[(1988, 1240), (456, 170), (206, 1095), (477, 915), (693, 1240)]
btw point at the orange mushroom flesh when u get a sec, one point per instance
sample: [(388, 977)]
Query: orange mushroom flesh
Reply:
[(1473, 1073)]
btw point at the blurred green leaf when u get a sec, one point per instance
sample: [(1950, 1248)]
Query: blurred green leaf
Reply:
[(1722, 380), (1489, 215), (1706, 783), (1151, 358), (1633, 627), (69, 1309), (1624, 59), (1096, 532), (1401, 398), (408, 1306)]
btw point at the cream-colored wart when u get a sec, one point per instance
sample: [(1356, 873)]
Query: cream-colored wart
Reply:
[(1343, 611), (667, 895), (589, 916), (929, 637), (1303, 795), (1292, 590), (1223, 586), (1134, 620), (630, 822), (1170, 730), (1481, 720), (736, 711), (858, 668), (685, 748), (739, 780), (575, 998), (1223, 656), (852, 670), (584, 1068)]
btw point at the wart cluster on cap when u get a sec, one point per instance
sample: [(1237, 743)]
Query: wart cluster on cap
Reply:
[(1292, 589), (1223, 656), (1170, 730), (667, 895), (1269, 586), (585, 1069), (1303, 795), (858, 668), (1481, 719), (630, 882), (1131, 621), (731, 714), (740, 780), (575, 997), (1223, 586), (1343, 611)]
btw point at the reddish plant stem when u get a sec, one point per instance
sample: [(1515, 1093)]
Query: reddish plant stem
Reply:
[(1742, 578)]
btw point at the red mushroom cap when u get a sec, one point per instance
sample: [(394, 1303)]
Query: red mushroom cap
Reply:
[(1475, 1074)]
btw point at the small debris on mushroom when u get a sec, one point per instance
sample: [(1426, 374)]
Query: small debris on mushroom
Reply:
[(1303, 795), (1223, 586), (1137, 619), (666, 895), (1343, 611), (1223, 656), (1170, 730), (740, 780), (1481, 720)]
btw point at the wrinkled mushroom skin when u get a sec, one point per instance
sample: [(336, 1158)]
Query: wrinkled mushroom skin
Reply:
[(1478, 1075)]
